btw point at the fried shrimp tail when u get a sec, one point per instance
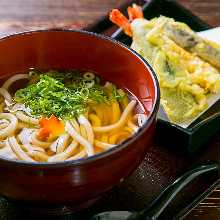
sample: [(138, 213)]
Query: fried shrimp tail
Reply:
[(119, 19), (134, 12)]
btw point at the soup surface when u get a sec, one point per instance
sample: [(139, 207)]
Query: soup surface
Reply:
[(64, 115)]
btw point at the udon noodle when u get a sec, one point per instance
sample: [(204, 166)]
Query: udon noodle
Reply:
[(28, 132)]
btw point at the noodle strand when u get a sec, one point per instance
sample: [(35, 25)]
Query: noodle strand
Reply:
[(103, 145), (84, 121), (10, 129), (80, 155), (27, 119), (73, 133), (39, 143), (18, 150), (121, 121), (64, 155), (12, 79), (6, 95)]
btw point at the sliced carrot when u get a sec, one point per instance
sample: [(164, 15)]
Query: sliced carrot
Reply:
[(50, 127)]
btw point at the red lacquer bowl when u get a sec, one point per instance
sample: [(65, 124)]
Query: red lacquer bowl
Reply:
[(76, 183)]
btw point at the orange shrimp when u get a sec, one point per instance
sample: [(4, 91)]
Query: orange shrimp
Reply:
[(119, 19), (135, 12)]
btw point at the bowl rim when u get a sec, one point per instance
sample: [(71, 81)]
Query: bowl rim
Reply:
[(111, 151)]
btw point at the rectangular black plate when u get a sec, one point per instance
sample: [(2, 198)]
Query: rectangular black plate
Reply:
[(192, 138), (161, 165)]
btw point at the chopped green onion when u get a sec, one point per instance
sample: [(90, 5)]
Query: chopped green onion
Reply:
[(66, 94)]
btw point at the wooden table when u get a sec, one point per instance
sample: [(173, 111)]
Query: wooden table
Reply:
[(19, 15), (31, 14)]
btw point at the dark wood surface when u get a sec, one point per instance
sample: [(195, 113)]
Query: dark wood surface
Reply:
[(207, 10), (85, 11), (19, 15)]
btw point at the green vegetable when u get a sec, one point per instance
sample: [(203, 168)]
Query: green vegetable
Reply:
[(64, 94), (116, 95)]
